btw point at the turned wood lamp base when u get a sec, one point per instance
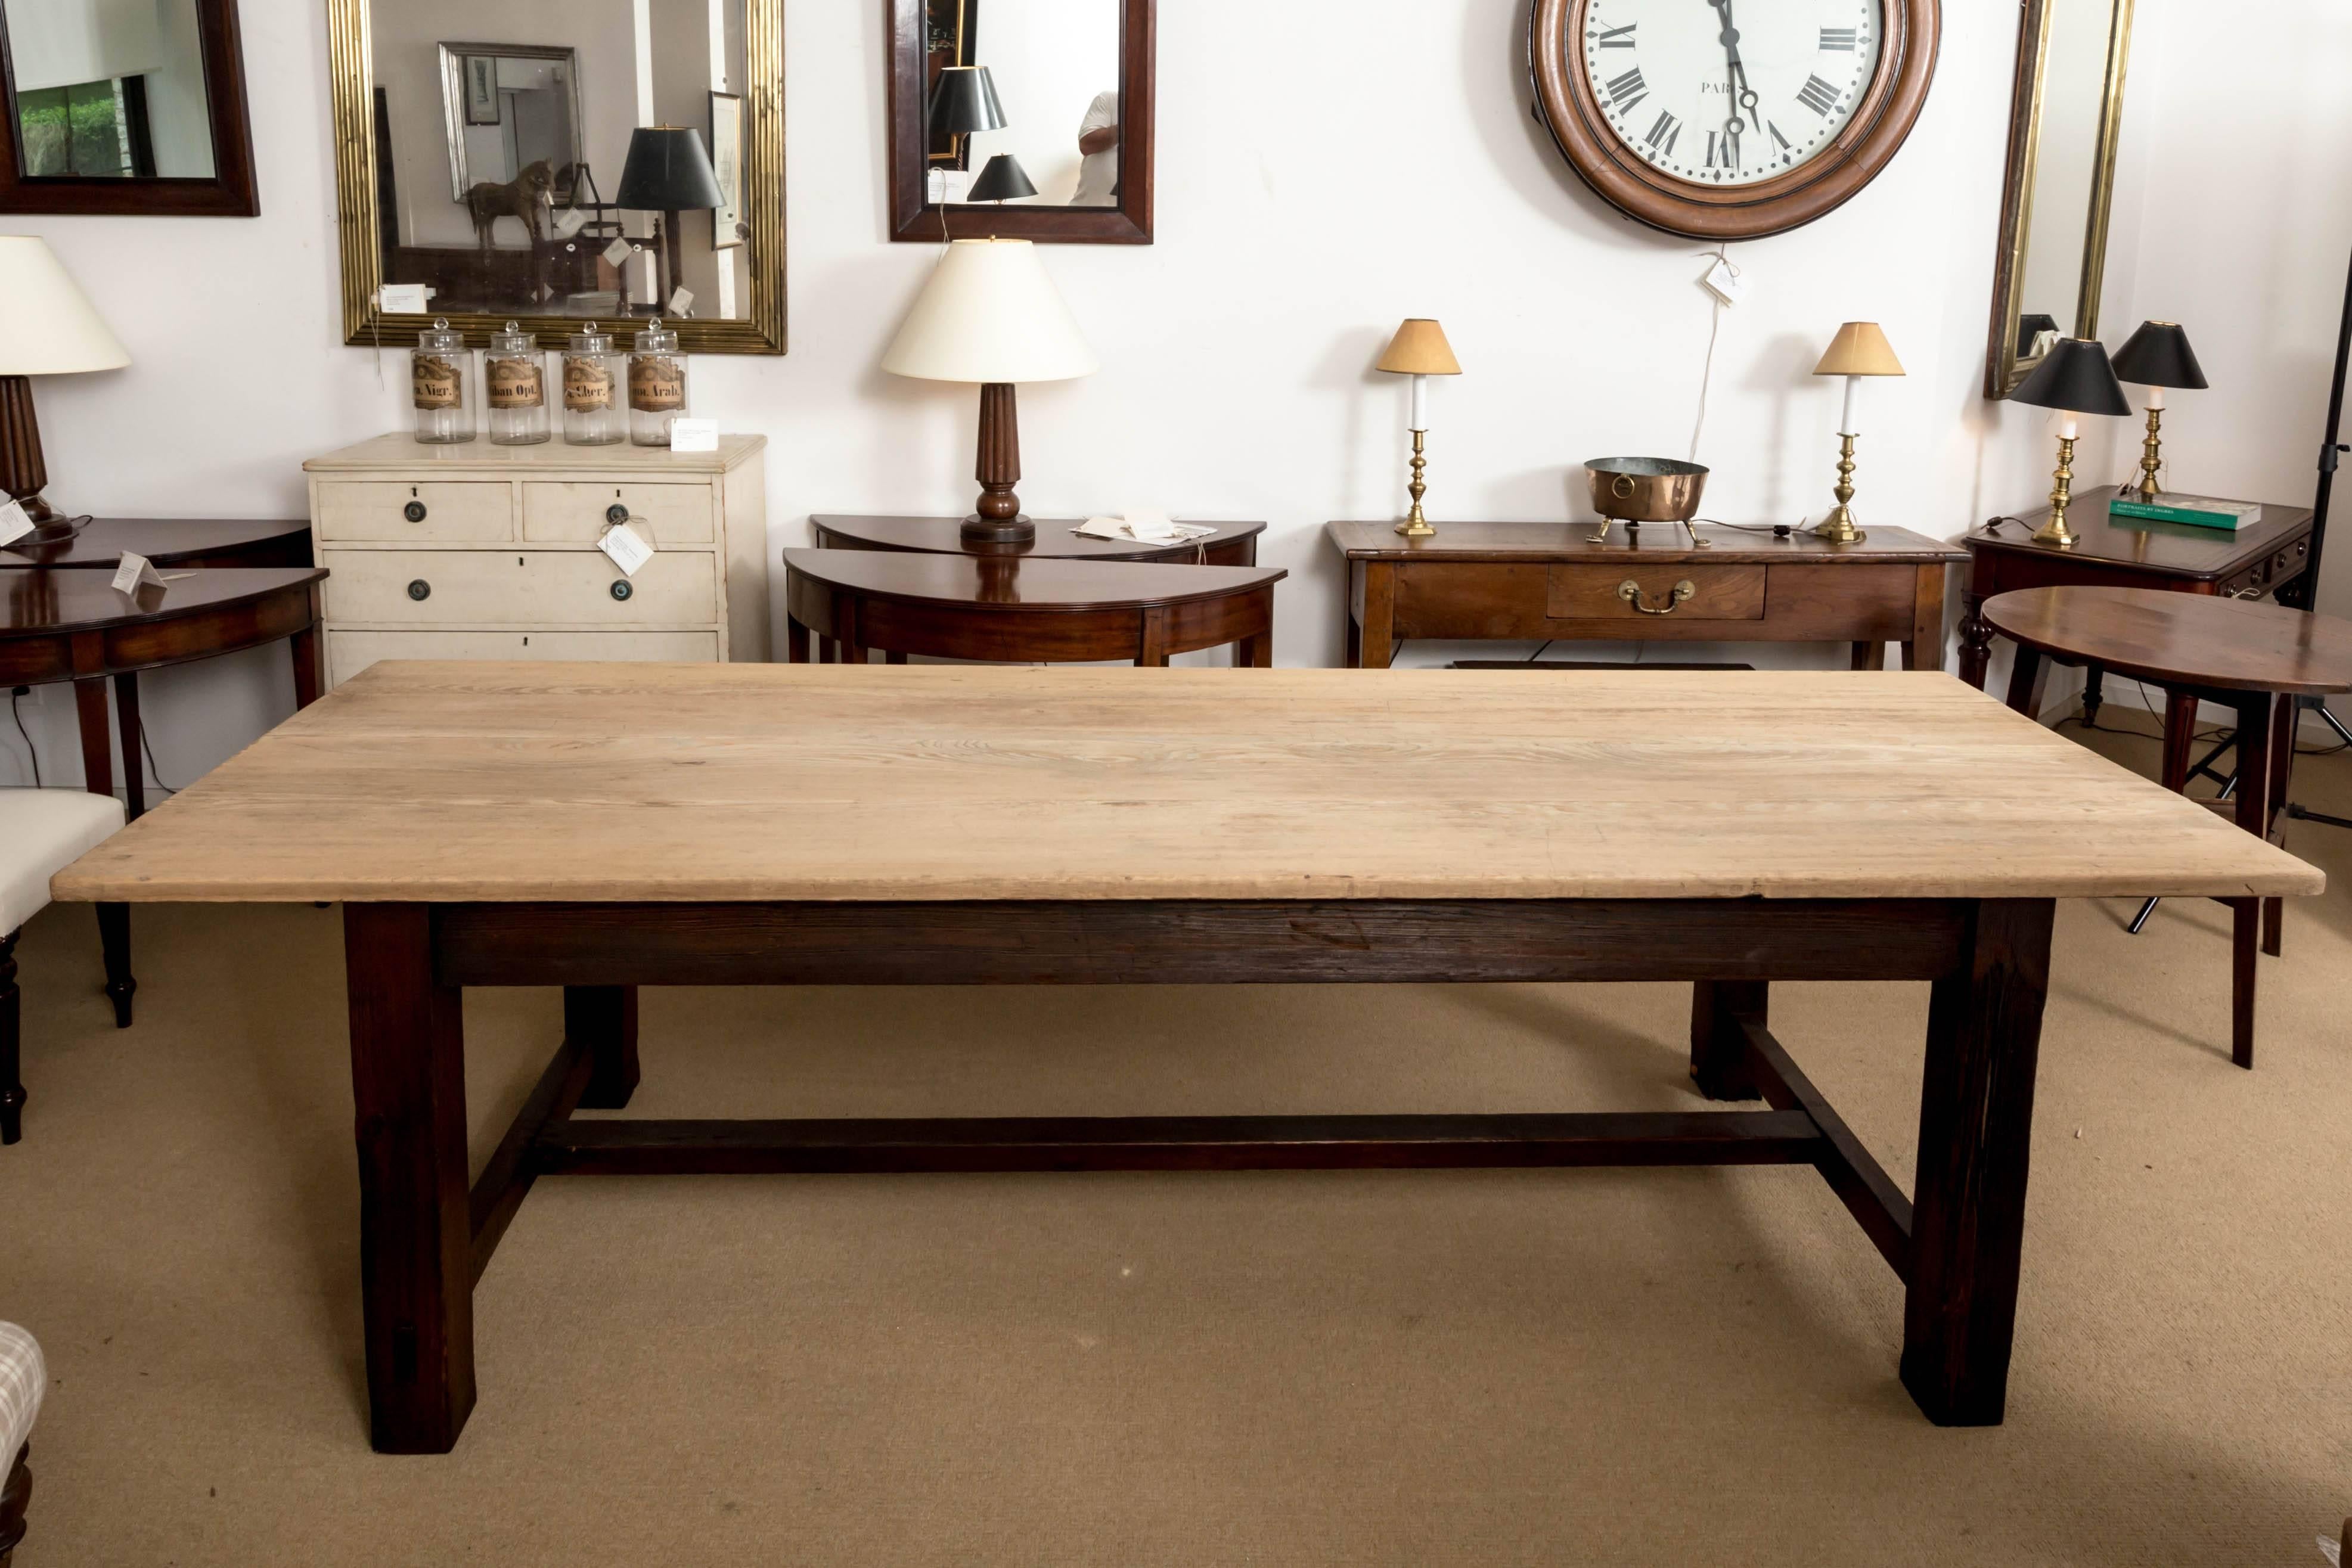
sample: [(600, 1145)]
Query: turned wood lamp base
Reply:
[(997, 519), (22, 472)]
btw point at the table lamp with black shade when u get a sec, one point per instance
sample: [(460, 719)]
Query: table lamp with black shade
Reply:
[(2075, 378), (963, 103), (669, 173), (1004, 180), (2157, 356), (48, 328), (991, 315)]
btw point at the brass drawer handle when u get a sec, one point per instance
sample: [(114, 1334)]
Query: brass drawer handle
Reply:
[(1631, 592)]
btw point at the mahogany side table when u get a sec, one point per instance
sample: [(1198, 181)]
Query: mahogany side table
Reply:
[(174, 542), (1022, 612), (2257, 659), (1233, 544)]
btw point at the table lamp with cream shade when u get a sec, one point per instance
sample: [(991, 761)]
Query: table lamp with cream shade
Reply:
[(48, 328), (991, 315), (1859, 350), (1420, 350), (2075, 378)]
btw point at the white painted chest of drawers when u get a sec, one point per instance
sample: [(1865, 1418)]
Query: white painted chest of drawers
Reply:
[(477, 551)]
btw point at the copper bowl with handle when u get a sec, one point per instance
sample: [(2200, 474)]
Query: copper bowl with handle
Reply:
[(1646, 489)]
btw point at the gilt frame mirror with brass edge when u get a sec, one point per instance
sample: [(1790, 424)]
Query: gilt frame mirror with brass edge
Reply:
[(763, 329), (2005, 368), (1882, 121), (230, 192), (916, 219)]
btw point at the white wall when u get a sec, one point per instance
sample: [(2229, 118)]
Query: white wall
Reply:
[(1048, 58), (1315, 186)]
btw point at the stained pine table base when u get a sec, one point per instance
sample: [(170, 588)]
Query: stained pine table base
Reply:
[(426, 1237)]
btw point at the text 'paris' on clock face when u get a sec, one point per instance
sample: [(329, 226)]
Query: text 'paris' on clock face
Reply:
[(1729, 92)]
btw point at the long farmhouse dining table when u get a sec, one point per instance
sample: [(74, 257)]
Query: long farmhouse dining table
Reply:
[(605, 827)]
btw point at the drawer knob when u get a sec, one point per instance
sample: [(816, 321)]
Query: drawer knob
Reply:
[(1631, 592), (420, 589), (617, 513), (621, 590), (413, 511)]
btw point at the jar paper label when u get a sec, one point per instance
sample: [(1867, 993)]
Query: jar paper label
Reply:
[(587, 385), (437, 382), (657, 384), (515, 383)]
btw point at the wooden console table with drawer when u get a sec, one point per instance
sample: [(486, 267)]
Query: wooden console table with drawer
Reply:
[(476, 552), (1549, 580)]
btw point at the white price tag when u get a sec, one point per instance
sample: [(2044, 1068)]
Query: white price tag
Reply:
[(628, 548), (404, 298), (14, 524), (1150, 523), (694, 436), (570, 222), (619, 252), (135, 573), (1725, 282), (681, 302)]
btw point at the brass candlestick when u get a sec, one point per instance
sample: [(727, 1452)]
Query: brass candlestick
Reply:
[(2151, 454), (2055, 531), (1838, 526), (1415, 526)]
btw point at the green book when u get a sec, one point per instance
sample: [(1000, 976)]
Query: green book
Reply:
[(2204, 511)]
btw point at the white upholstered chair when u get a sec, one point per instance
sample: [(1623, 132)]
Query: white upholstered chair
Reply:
[(42, 832), (22, 1379)]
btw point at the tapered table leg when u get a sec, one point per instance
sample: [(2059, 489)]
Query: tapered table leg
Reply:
[(602, 1021), (417, 1266), (1976, 1118)]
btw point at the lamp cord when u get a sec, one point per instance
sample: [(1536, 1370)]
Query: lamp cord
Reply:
[(35, 757)]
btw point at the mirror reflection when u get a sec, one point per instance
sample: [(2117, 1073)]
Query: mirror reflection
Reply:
[(1023, 101), (108, 89), (581, 159)]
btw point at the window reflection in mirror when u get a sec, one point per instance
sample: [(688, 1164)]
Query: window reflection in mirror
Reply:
[(1055, 65), (503, 132), (108, 89)]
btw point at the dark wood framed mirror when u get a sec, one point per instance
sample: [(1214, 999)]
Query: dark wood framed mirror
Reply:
[(1067, 142), (126, 109)]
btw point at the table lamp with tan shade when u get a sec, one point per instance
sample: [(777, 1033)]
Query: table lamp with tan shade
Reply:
[(1859, 350), (48, 328), (991, 315), (1420, 350)]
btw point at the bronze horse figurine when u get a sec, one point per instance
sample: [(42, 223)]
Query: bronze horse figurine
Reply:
[(524, 197)]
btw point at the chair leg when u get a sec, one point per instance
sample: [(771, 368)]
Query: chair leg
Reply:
[(12, 1086), (15, 1495), (114, 942), (2245, 921)]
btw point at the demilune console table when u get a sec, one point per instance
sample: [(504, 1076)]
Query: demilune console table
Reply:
[(1550, 581), (605, 827)]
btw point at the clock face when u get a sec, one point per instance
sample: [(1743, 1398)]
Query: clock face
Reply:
[(1729, 92)]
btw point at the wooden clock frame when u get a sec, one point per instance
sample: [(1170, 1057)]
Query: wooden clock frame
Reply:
[(1912, 30)]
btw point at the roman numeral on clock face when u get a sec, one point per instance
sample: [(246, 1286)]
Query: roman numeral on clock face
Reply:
[(1629, 90), (1623, 37), (1778, 139), (1840, 39), (1819, 96), (1666, 132), (1722, 151)]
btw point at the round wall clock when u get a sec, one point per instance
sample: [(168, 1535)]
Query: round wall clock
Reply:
[(1731, 119)]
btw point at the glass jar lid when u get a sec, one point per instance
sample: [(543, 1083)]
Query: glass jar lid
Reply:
[(439, 336), (590, 340), (513, 340), (657, 339)]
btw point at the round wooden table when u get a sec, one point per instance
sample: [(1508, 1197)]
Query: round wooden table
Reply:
[(2254, 658), (174, 542), (1233, 544), (1022, 610)]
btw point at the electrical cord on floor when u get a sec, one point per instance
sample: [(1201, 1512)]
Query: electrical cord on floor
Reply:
[(1540, 652), (35, 757), (154, 774)]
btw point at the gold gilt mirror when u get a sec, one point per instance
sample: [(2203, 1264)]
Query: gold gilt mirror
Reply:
[(558, 162), (2065, 119)]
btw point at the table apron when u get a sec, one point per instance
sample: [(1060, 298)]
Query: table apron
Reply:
[(47, 656), (1832, 601), (1197, 942)]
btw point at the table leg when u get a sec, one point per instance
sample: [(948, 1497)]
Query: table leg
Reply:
[(2094, 692), (2285, 721), (890, 658), (2025, 683), (1718, 1063), (2253, 814), (796, 642), (11, 1082), (1924, 649), (1976, 1118), (1376, 639), (126, 717), (97, 745), (1975, 641), (303, 646), (1152, 641), (2179, 739), (114, 949), (602, 1021), (417, 1262), (1870, 655)]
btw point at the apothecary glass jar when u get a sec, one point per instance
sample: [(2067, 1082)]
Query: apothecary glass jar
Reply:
[(656, 385), (441, 382), (514, 377), (592, 373)]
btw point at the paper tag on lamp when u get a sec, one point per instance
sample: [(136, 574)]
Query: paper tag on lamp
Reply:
[(14, 524)]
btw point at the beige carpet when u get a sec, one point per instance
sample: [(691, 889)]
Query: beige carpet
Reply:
[(1668, 1367)]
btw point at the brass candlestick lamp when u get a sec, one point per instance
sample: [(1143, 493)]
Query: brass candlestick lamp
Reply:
[(1859, 350), (2075, 378), (2157, 356), (1419, 351)]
